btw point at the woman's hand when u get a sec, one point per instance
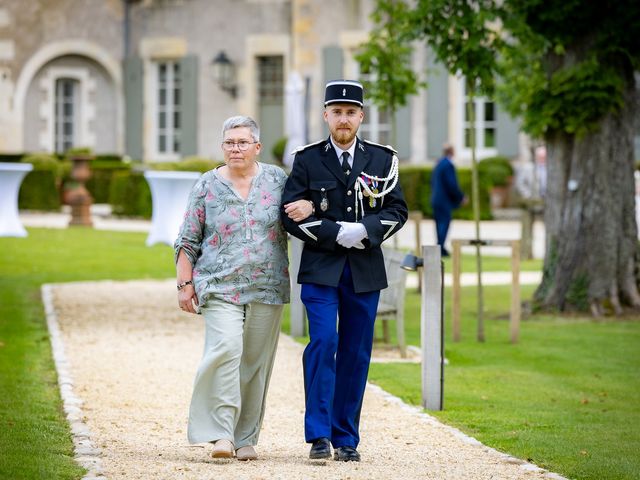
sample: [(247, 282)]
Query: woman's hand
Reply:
[(299, 210), (187, 299)]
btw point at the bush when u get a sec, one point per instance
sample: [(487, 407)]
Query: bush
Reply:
[(189, 164), (39, 190), (465, 212), (498, 170), (82, 151), (278, 150), (414, 180), (129, 194), (109, 157), (11, 157), (102, 171), (416, 185)]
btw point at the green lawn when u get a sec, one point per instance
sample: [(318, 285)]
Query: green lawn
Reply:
[(493, 264), (565, 397), (35, 442)]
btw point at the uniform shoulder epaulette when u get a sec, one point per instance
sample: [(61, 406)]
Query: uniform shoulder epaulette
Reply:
[(304, 147), (386, 147)]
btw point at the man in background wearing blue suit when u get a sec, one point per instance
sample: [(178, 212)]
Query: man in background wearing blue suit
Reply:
[(445, 195)]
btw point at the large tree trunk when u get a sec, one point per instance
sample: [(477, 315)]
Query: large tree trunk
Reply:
[(591, 231)]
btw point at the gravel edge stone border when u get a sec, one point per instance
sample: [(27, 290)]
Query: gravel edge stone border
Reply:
[(87, 454)]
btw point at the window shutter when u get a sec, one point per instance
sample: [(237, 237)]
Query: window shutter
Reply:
[(437, 107), (507, 134), (403, 131), (332, 69), (133, 94), (332, 63), (189, 106)]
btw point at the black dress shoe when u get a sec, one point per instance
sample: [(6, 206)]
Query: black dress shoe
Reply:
[(320, 449), (346, 454)]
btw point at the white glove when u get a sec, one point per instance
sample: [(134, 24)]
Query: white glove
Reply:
[(351, 235)]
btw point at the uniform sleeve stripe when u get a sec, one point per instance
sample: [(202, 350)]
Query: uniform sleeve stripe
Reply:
[(306, 226), (391, 225)]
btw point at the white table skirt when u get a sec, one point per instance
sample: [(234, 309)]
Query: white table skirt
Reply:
[(169, 193), (11, 176)]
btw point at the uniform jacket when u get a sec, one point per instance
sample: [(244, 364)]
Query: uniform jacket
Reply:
[(316, 175), (445, 192)]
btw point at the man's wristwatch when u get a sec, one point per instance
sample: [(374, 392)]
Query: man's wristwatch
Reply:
[(313, 207), (180, 286)]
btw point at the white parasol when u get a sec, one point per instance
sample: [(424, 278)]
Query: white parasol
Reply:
[(295, 121)]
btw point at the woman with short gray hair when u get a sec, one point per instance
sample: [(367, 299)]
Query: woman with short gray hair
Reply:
[(232, 267)]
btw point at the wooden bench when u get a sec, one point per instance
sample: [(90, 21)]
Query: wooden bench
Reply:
[(391, 304)]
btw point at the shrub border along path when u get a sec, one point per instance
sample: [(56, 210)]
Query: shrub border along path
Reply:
[(396, 436)]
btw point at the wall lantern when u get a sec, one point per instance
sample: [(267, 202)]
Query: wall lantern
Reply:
[(224, 73)]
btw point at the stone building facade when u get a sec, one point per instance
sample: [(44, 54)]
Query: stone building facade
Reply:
[(135, 77)]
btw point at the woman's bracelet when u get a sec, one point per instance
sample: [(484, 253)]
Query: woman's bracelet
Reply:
[(184, 284), (313, 207)]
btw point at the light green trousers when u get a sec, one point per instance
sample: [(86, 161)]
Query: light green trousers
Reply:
[(230, 387)]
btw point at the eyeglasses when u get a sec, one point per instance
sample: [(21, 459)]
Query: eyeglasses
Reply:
[(243, 145)]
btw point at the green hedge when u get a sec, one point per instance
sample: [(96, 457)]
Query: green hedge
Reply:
[(129, 194), (102, 173), (39, 189), (498, 170), (103, 168), (11, 157), (277, 151), (189, 164), (415, 181), (42, 187)]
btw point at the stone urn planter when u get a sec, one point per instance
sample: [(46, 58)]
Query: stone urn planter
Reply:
[(499, 194), (76, 194)]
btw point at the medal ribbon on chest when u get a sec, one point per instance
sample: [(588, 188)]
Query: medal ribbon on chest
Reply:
[(370, 183)]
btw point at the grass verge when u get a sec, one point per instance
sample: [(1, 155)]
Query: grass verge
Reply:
[(564, 398), (35, 441)]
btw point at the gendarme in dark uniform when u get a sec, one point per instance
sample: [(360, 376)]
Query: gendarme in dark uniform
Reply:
[(357, 205)]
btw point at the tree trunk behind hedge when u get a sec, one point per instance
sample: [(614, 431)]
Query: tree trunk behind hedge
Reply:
[(591, 231)]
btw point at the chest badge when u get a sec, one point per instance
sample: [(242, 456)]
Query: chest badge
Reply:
[(324, 202)]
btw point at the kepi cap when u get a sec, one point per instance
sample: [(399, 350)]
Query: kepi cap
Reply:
[(344, 91)]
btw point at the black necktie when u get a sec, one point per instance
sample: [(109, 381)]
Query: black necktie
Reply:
[(345, 163)]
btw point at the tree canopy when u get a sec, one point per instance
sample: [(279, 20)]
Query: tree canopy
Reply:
[(559, 65), (569, 70)]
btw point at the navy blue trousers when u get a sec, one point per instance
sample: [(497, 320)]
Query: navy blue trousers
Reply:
[(336, 360), (442, 216)]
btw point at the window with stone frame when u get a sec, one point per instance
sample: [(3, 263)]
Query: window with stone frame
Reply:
[(270, 79), (66, 114), (168, 107), (485, 122)]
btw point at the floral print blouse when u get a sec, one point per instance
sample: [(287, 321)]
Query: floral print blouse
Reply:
[(237, 247)]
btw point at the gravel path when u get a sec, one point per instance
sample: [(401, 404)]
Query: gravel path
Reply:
[(127, 357)]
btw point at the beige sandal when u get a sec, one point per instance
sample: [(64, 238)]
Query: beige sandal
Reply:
[(223, 448), (246, 453)]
